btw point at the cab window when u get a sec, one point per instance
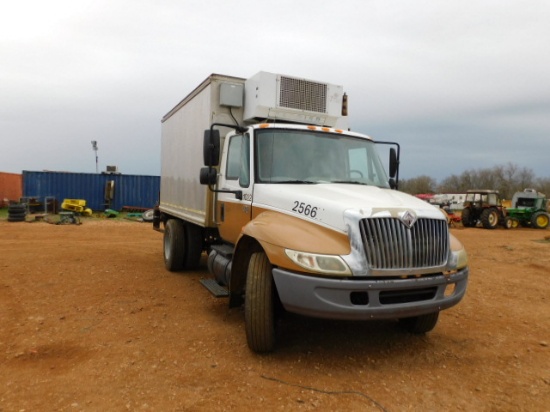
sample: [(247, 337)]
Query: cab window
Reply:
[(238, 160)]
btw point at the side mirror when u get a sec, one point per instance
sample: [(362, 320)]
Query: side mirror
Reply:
[(211, 147), (394, 162), (208, 176)]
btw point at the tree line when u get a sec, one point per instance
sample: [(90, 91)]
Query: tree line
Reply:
[(507, 179)]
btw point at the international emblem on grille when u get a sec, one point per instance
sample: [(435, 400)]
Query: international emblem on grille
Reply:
[(408, 219)]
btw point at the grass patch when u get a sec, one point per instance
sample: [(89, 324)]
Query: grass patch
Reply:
[(95, 215)]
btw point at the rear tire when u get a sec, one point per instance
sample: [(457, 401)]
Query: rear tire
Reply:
[(259, 305), (193, 246), (540, 220), (174, 252), (420, 324)]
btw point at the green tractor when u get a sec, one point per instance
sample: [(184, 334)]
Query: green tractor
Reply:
[(529, 209), (484, 207)]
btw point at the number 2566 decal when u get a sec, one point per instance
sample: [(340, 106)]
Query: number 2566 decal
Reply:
[(305, 209)]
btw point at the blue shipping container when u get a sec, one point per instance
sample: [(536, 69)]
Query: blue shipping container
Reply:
[(101, 191)]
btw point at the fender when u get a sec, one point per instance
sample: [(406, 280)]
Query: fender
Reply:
[(273, 232), (277, 231)]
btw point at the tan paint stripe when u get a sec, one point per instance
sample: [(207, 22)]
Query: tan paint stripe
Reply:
[(277, 231)]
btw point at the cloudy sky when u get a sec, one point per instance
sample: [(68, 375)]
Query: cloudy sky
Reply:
[(460, 84)]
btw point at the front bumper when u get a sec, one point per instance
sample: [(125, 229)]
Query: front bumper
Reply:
[(368, 299)]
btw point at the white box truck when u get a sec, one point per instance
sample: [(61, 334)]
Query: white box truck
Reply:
[(296, 212)]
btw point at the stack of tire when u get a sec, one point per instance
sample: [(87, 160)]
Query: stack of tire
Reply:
[(17, 212)]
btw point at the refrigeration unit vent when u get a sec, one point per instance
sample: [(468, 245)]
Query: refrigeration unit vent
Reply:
[(275, 97), (303, 95)]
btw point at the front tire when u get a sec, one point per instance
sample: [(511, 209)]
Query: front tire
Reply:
[(259, 304), (419, 325), (466, 220), (489, 218), (509, 222)]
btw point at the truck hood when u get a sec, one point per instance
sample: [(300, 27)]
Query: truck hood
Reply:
[(328, 203)]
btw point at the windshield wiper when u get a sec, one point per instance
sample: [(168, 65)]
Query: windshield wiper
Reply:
[(351, 182), (297, 181)]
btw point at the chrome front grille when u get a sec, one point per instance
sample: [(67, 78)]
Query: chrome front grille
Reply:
[(390, 244)]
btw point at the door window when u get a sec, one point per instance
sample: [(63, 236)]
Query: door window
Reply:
[(238, 160)]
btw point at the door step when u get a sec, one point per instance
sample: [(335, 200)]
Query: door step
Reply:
[(217, 290)]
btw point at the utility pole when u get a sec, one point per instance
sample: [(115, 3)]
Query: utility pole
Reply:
[(94, 147)]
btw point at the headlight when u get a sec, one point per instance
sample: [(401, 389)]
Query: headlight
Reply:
[(325, 264), (459, 257), (462, 259)]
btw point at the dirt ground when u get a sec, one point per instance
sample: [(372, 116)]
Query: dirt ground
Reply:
[(91, 321)]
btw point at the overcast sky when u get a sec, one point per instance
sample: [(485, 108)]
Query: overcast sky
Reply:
[(460, 84)]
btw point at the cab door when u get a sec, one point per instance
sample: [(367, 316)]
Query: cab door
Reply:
[(233, 213)]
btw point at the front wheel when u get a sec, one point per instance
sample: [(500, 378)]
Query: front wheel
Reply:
[(466, 220), (489, 218), (511, 222), (420, 324), (259, 304)]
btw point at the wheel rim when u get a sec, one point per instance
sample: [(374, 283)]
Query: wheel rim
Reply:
[(515, 223), (542, 221), (167, 242), (493, 218)]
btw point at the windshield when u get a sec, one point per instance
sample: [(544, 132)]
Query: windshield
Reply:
[(304, 156)]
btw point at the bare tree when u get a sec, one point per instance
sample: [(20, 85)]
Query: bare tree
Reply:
[(543, 185), (418, 185), (507, 179)]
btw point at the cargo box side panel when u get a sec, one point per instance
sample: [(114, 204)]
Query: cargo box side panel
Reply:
[(183, 128), (182, 194)]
